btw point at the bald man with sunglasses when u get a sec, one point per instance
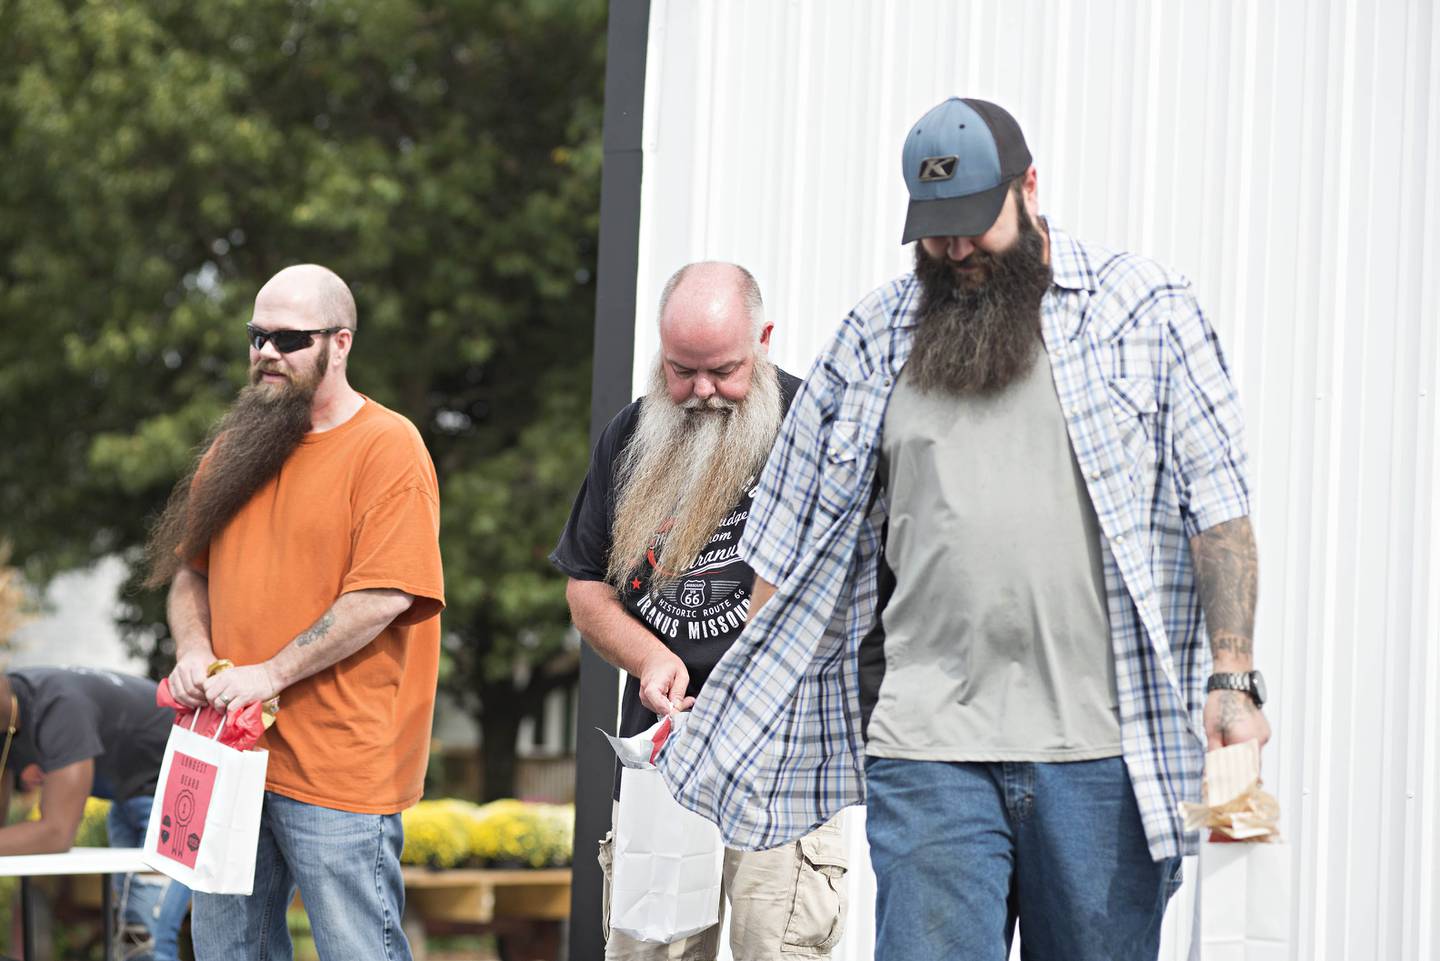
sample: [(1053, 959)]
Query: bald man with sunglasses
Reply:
[(304, 548)]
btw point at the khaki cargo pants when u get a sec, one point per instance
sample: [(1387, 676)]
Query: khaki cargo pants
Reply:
[(786, 902)]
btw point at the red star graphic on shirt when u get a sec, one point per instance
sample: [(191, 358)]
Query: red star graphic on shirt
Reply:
[(635, 584)]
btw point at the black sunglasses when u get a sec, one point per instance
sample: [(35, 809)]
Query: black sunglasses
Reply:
[(285, 341)]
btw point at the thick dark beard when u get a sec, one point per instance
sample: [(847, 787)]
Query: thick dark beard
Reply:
[(243, 452), (979, 338)]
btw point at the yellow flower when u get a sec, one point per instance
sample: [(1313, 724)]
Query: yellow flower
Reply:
[(450, 832), (533, 834), (434, 835), (92, 832)]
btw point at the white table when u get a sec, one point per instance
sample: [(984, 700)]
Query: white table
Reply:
[(104, 861)]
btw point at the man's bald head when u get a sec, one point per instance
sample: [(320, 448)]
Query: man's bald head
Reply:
[(712, 333), (311, 288), (304, 297), (709, 289)]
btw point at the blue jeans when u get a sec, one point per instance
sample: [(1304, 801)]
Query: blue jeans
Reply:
[(963, 851), (347, 867), (158, 906)]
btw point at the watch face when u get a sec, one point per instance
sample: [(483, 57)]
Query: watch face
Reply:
[(1257, 684)]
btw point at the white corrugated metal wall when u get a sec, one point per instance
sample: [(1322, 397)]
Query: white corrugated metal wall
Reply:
[(1281, 154)]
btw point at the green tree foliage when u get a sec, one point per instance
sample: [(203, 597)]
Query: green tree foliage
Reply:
[(14, 604), (163, 158)]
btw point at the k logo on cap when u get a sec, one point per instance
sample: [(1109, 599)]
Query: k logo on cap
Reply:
[(938, 168)]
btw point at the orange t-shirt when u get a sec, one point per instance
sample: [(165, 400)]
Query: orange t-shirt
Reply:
[(354, 507)]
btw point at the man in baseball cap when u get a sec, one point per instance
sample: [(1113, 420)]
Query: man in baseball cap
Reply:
[(958, 161), (1014, 492)]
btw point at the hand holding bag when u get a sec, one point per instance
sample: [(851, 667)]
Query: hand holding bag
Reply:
[(1245, 883), (205, 822), (668, 860)]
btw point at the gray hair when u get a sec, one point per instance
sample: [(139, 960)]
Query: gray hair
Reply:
[(749, 293)]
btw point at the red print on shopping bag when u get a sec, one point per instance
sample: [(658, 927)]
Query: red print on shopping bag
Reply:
[(182, 815)]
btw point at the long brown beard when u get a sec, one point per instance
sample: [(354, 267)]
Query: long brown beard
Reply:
[(979, 338), (243, 452), (684, 470)]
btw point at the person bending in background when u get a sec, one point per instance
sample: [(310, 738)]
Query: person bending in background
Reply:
[(76, 733)]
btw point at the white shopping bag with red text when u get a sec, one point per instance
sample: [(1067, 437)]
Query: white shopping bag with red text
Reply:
[(668, 860), (205, 822)]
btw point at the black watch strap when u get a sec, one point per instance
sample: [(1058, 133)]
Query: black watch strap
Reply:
[(1249, 682)]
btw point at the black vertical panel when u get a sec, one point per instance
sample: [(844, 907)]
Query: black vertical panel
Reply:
[(619, 253)]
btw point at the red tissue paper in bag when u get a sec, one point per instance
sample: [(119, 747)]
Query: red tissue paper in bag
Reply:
[(242, 728)]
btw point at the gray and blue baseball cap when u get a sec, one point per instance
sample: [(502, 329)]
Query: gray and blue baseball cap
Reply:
[(958, 161)]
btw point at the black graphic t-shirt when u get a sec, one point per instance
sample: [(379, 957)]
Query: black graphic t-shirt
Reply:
[(696, 615)]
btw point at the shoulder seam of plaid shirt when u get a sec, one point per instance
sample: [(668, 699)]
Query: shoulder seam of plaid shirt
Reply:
[(774, 748)]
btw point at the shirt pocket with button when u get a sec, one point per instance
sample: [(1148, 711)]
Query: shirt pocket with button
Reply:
[(844, 458), (1134, 406)]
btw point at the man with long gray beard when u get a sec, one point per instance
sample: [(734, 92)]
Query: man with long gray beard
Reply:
[(983, 545), (303, 547), (658, 589)]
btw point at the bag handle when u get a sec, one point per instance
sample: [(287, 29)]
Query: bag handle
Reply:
[(196, 716)]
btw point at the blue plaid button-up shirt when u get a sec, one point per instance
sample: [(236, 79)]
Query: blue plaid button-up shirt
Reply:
[(774, 747)]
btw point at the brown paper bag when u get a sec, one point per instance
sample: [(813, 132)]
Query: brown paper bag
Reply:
[(1233, 806)]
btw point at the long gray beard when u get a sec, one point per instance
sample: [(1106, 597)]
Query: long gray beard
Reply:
[(684, 470)]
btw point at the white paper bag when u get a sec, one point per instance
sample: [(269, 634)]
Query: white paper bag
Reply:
[(205, 823), (668, 860), (1245, 902)]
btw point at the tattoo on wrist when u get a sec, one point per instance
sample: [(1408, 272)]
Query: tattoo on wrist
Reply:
[(317, 630), (1234, 644)]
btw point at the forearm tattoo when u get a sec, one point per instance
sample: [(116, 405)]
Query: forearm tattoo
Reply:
[(1227, 576), (317, 630)]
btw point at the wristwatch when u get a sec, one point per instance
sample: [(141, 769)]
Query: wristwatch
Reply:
[(1251, 682)]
